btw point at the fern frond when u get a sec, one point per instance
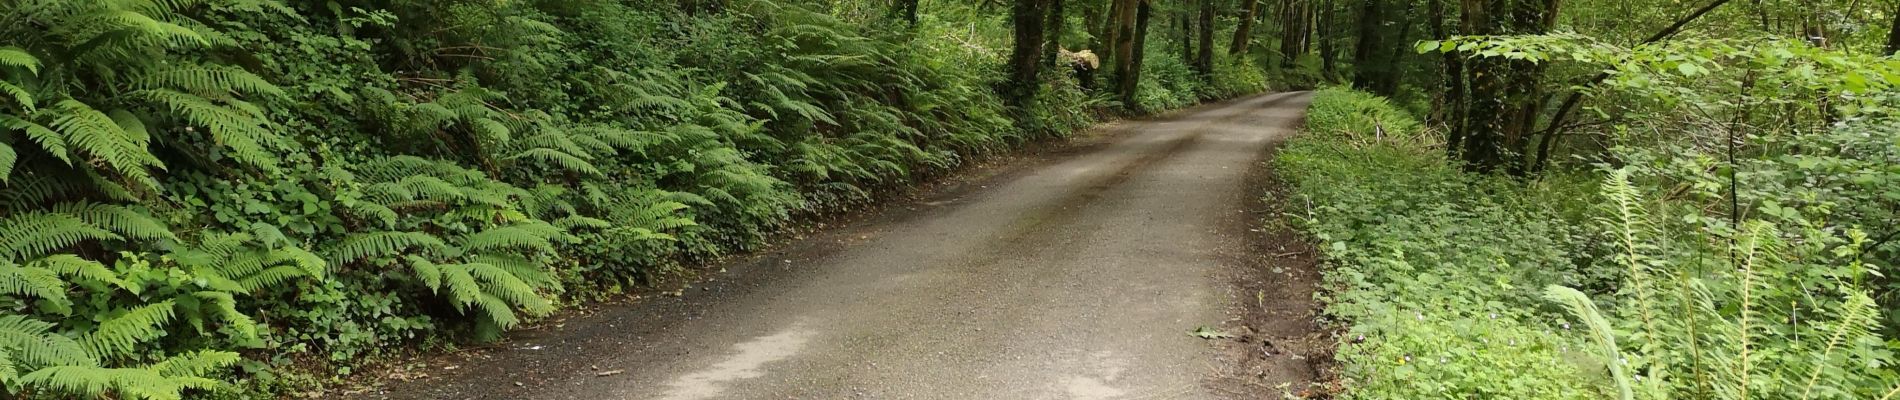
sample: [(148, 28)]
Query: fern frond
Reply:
[(31, 234), (1586, 311), (48, 139), (125, 221), (72, 266), (558, 158), (519, 236), (42, 283), (363, 245), (463, 289), (19, 95), (504, 285), (33, 344), (17, 57), (98, 135), (241, 132), (491, 131), (207, 80), (1856, 322), (117, 336), (427, 271), (98, 382), (197, 363)]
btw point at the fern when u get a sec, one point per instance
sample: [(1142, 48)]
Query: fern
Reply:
[(36, 233), (1580, 306), (16, 57), (118, 335), (35, 282), (375, 244), (530, 236), (207, 80), (100, 137)]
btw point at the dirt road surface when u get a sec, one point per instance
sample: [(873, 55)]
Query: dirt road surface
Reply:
[(1078, 275)]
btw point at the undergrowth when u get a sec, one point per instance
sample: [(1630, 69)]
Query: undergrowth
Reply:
[(1588, 284), (252, 197)]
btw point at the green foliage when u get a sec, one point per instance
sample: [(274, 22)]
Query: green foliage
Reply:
[(1435, 264), (374, 175)]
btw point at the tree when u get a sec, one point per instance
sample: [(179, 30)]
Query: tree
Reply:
[(1367, 61), (1025, 58), (1497, 122), (1244, 32), (1295, 30), (1329, 40), (1124, 45), (1130, 87), (1204, 58), (1056, 28), (1893, 34), (1555, 127), (1449, 110)]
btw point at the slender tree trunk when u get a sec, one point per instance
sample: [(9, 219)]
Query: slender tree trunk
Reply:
[(1893, 34), (1125, 74), (1055, 24), (1129, 82), (1366, 65), (1026, 56), (1451, 108), (1387, 82), (1111, 29), (1204, 58), (1293, 30), (1329, 40), (1244, 32), (1309, 18), (1186, 28), (1092, 11)]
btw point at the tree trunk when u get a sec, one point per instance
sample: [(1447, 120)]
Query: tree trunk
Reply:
[(1204, 58), (1185, 26), (1244, 32), (1111, 44), (1092, 11), (1366, 63), (1055, 24), (1134, 71), (1893, 34), (1125, 47), (1506, 97), (1387, 80), (1026, 56), (1329, 40), (1293, 30), (1451, 108)]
